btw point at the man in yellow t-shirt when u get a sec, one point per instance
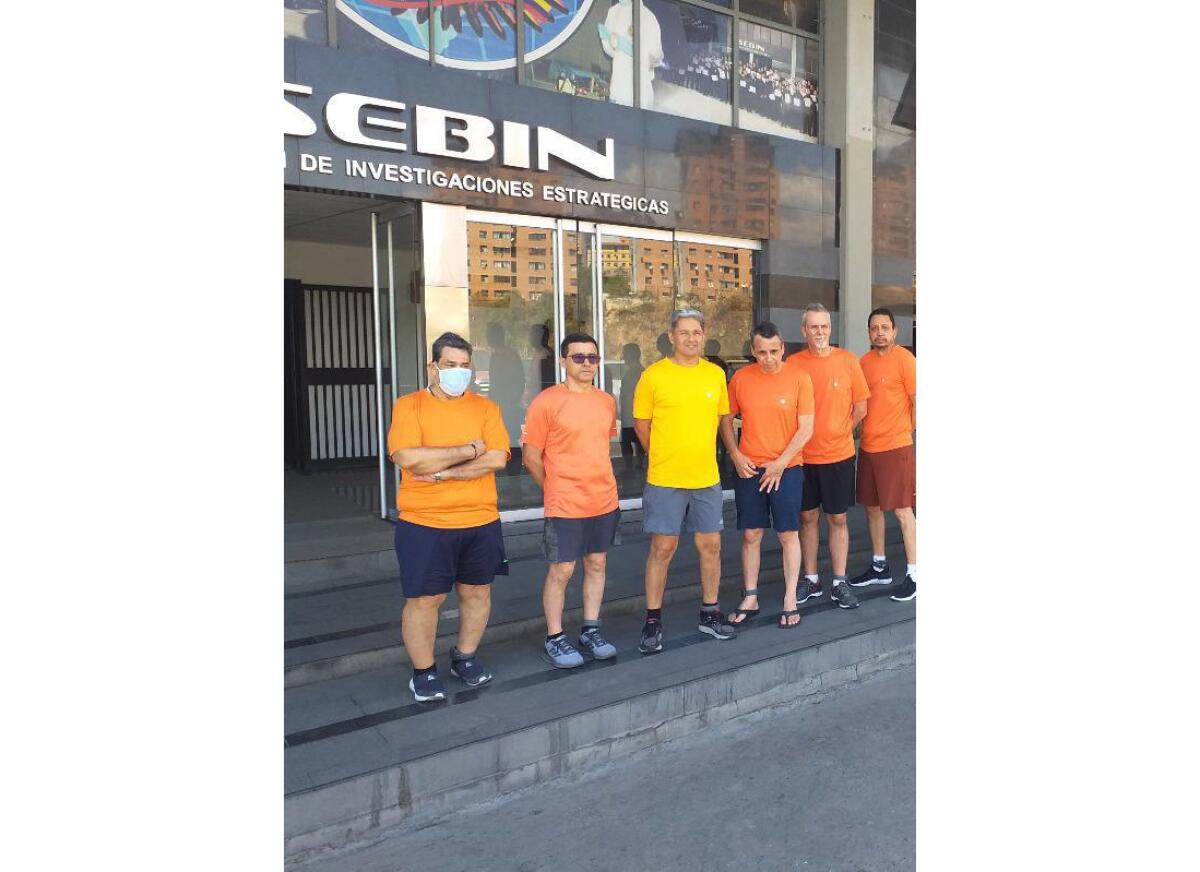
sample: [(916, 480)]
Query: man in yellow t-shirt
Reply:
[(676, 410), (448, 443)]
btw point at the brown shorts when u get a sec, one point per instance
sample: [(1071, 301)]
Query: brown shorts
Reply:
[(888, 479)]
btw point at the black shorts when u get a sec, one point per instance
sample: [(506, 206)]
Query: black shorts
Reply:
[(829, 486), (565, 540), (432, 559)]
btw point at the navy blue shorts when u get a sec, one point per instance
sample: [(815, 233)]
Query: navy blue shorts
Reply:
[(779, 509), (432, 559), (565, 540)]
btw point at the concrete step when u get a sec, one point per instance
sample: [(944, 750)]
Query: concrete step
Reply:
[(326, 555), (362, 756), (355, 626)]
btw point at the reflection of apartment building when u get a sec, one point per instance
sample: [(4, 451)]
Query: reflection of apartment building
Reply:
[(503, 261), (656, 269), (892, 220), (615, 257), (713, 272), (709, 272), (732, 186)]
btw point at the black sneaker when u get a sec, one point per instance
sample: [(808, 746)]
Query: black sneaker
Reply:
[(806, 590), (651, 638), (873, 576), (714, 624), (468, 670), (427, 687), (906, 591), (844, 596)]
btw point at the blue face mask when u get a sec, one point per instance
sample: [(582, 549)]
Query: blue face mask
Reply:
[(455, 381)]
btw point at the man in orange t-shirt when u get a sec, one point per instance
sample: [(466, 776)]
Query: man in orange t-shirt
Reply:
[(567, 438), (776, 405), (887, 466), (448, 443), (840, 394)]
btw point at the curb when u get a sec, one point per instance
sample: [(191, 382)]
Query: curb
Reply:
[(343, 813)]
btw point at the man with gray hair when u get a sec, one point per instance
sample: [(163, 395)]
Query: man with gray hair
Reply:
[(840, 398), (677, 408)]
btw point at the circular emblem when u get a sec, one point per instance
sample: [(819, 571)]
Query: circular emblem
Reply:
[(468, 34)]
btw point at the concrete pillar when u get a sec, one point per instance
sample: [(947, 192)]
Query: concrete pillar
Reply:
[(444, 257), (849, 88)]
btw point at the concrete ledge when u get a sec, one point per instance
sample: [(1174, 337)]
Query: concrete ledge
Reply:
[(390, 651), (383, 647), (336, 562), (419, 790)]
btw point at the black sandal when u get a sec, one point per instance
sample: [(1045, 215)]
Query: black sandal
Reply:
[(746, 614), (784, 615)]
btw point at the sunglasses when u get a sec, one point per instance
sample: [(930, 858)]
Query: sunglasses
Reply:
[(585, 358)]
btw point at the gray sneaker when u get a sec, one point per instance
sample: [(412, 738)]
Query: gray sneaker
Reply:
[(844, 596), (561, 654), (596, 645)]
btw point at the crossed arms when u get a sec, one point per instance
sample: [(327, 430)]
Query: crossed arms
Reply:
[(455, 463)]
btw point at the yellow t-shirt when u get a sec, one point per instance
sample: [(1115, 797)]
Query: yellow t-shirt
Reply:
[(683, 405)]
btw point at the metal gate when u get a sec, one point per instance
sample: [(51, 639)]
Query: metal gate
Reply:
[(333, 337)]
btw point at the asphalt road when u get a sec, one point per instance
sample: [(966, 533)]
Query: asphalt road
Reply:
[(815, 785)]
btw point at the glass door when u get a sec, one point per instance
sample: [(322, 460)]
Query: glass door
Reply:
[(645, 274), (515, 318), (399, 362), (637, 282)]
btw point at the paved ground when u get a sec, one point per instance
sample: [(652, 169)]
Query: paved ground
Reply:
[(842, 800)]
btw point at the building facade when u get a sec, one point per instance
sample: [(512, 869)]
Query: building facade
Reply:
[(515, 170)]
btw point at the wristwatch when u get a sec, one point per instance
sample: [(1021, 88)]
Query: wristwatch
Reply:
[(437, 476)]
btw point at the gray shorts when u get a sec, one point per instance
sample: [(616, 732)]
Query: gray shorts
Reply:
[(566, 540), (665, 509)]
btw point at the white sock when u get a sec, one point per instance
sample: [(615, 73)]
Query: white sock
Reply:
[(812, 578), (880, 560), (912, 572)]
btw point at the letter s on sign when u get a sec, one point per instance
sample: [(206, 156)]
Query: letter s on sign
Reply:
[(295, 121)]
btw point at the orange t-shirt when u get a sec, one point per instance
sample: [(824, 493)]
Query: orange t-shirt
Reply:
[(838, 384), (421, 420), (892, 379), (770, 404), (573, 430)]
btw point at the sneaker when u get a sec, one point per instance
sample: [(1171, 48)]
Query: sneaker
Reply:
[(873, 576), (427, 687), (468, 670), (906, 591), (806, 590), (595, 645), (714, 624), (651, 638), (844, 596), (561, 654)]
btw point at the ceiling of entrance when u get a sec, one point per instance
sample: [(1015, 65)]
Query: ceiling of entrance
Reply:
[(319, 217)]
